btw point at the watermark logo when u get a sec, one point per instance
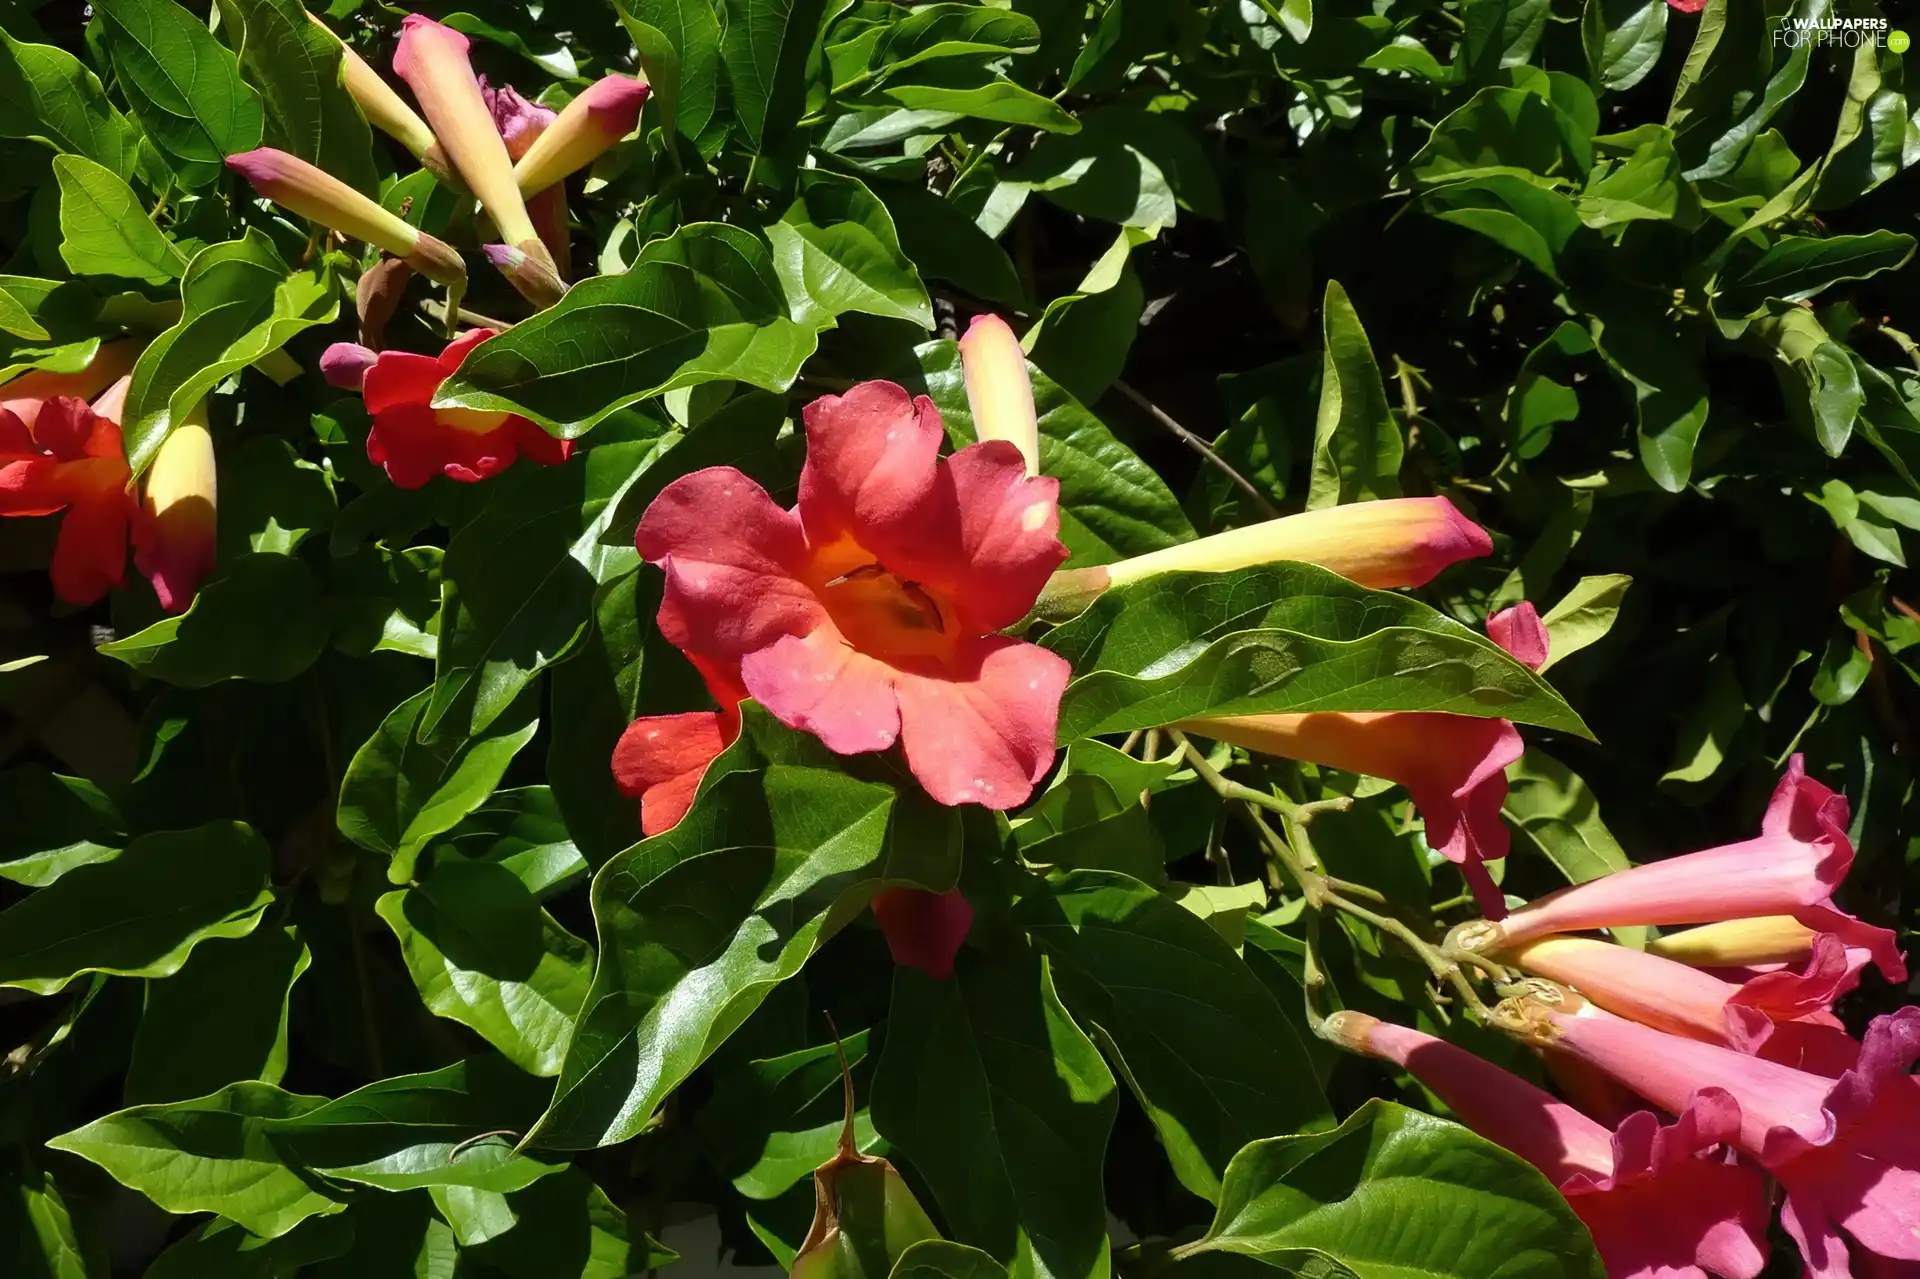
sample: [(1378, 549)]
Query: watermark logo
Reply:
[(1839, 33)]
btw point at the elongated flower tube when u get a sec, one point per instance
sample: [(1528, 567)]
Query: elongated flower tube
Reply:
[(605, 112), (1453, 766), (1792, 868), (1401, 541), (868, 614), (173, 535), (295, 185), (432, 59), (1687, 1001), (1660, 1205), (999, 390), (23, 395), (532, 274), (71, 459), (1847, 1151), (1738, 943), (388, 112)]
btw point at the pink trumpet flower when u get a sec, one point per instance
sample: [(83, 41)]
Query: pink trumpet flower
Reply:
[(1453, 766), (1659, 1202), (521, 124), (388, 112), (173, 531), (1847, 1151), (605, 112), (1792, 868)]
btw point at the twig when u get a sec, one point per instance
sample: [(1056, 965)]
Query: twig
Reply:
[(1199, 446), (438, 310)]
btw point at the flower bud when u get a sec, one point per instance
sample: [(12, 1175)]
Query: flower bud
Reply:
[(174, 534), (299, 187), (599, 117), (528, 269), (345, 365), (998, 389), (388, 112), (432, 59), (1738, 943)]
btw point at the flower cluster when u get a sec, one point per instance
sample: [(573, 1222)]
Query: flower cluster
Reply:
[(60, 453)]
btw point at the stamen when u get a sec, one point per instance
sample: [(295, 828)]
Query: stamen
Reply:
[(861, 574), (928, 607)]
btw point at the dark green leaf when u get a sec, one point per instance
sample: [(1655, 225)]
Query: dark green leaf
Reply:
[(764, 50), (55, 824), (141, 914), (1356, 443), (222, 1250), (836, 251), (1287, 637), (1623, 40), (296, 66), (679, 44), (184, 85), (1799, 266), (260, 618), (219, 1020), (772, 1121), (569, 1229), (48, 95)]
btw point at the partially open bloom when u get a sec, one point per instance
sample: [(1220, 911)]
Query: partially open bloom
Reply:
[(293, 184), (23, 395), (999, 390), (71, 459), (866, 615), (1800, 857), (1688, 1001), (605, 112), (413, 440), (1847, 1151), (661, 758), (1454, 767), (388, 112), (1659, 1202), (1401, 541), (173, 533), (432, 59), (923, 930)]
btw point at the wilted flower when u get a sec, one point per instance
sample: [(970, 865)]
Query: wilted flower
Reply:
[(293, 184), (1658, 1201), (867, 615), (173, 535), (71, 459), (415, 441), (1452, 766)]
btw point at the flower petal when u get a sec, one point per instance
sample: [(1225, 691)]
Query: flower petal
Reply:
[(401, 378), (984, 734), (924, 930), (1520, 631), (1008, 540), (90, 557), (870, 469), (731, 558), (824, 686), (661, 759)]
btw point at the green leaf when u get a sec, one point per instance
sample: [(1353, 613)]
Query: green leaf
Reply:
[(701, 305), (239, 303), (219, 1249), (553, 57), (296, 66), (944, 1259), (1395, 1194), (1529, 220), (569, 1229), (55, 823), (772, 1121), (1151, 979), (483, 953), (184, 85), (1657, 361), (1554, 810), (219, 1020), (399, 793), (679, 44), (946, 244), (1112, 504), (1284, 638), (522, 830), (1799, 266), (1721, 103), (104, 230), (998, 100), (37, 1235), (1584, 615), (1817, 375), (1499, 34), (1515, 132), (48, 95), (141, 914), (764, 50), (1082, 339), (698, 924), (1003, 1105), (836, 251), (261, 617), (1357, 445), (1099, 176), (935, 31), (1875, 136), (250, 1151), (1645, 186), (1623, 41)]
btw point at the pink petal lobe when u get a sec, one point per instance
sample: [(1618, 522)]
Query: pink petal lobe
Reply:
[(824, 686), (924, 930), (983, 733), (870, 469), (1008, 535), (1520, 632), (661, 759)]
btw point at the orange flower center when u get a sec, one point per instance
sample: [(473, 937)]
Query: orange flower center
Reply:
[(879, 612), (478, 421)]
